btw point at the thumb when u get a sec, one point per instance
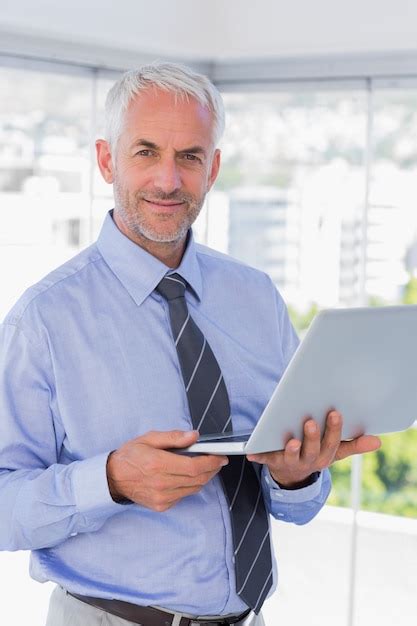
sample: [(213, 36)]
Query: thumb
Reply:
[(360, 445), (170, 438)]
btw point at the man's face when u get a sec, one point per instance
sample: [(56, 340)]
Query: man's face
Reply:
[(163, 166)]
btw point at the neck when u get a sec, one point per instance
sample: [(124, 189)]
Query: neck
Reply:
[(169, 253)]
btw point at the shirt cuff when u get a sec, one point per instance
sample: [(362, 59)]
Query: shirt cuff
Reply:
[(304, 494), (91, 490)]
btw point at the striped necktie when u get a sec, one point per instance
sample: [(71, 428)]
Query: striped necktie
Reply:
[(210, 412)]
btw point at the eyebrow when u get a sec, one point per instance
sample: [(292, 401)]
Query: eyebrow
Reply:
[(152, 146)]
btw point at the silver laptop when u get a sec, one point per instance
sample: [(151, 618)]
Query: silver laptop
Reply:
[(362, 362)]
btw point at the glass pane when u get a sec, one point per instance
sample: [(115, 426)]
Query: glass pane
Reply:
[(340, 494), (102, 192), (392, 231), (293, 180), (390, 476), (44, 174)]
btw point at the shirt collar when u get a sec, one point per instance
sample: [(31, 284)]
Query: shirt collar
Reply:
[(139, 271)]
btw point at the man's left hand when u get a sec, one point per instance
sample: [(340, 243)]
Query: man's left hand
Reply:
[(292, 467)]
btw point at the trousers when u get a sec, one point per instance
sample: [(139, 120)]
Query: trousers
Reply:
[(64, 610)]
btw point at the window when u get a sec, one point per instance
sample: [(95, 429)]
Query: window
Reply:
[(301, 173), (302, 169), (44, 174)]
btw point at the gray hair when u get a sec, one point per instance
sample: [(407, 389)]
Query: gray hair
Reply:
[(173, 77)]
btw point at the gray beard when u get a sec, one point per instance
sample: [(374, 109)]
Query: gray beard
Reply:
[(137, 223), (140, 228)]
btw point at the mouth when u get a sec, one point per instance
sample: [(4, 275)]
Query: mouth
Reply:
[(164, 206)]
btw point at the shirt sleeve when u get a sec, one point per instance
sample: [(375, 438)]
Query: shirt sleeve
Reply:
[(289, 340), (298, 506), (43, 501)]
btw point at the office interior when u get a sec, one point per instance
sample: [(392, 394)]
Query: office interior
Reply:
[(318, 188)]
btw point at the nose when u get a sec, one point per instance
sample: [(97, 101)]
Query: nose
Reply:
[(167, 176)]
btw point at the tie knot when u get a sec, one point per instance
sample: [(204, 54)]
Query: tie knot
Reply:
[(172, 287)]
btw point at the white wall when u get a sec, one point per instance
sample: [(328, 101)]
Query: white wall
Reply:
[(221, 29), (160, 27), (302, 27)]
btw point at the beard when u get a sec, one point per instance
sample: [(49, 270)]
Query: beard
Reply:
[(131, 207)]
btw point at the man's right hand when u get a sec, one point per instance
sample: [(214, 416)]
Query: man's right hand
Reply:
[(143, 471)]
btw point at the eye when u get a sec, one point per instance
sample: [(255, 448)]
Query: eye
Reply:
[(188, 156), (145, 152)]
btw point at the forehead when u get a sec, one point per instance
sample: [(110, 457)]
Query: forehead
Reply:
[(155, 112)]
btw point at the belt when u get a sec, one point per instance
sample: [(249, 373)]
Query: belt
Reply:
[(150, 616)]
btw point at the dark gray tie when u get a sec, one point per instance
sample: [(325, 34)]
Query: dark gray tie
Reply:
[(210, 412)]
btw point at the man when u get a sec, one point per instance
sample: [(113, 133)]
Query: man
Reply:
[(119, 357)]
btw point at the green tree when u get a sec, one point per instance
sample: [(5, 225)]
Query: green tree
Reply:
[(389, 477), (410, 291), (302, 321)]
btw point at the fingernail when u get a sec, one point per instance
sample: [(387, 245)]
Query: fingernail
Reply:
[(334, 419), (311, 427)]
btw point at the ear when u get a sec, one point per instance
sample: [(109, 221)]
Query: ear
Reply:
[(215, 166), (104, 160)]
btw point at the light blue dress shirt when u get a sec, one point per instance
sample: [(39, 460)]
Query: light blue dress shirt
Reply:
[(87, 362)]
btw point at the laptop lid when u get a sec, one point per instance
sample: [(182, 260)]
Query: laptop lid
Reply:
[(359, 361)]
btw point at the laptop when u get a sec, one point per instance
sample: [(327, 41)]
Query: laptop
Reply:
[(360, 361)]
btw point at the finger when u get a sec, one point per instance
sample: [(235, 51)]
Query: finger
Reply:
[(181, 465), (331, 438), (171, 463), (170, 482), (292, 453), (169, 439), (265, 458), (200, 465), (310, 449), (361, 445)]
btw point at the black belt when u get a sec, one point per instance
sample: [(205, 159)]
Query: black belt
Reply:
[(149, 616)]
